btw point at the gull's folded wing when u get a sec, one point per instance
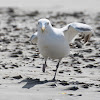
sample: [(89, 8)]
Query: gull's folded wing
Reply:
[(34, 38), (72, 29)]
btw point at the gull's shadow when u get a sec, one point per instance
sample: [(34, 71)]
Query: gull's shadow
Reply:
[(32, 82)]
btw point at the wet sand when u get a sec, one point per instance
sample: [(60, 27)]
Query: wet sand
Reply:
[(21, 75)]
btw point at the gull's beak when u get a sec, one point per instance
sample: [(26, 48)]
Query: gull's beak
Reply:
[(43, 29)]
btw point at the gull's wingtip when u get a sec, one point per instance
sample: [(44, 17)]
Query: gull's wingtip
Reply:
[(33, 38), (81, 27)]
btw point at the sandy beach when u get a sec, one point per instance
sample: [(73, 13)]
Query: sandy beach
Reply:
[(21, 76), (54, 5)]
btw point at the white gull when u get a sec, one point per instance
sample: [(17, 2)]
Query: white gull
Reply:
[(54, 42)]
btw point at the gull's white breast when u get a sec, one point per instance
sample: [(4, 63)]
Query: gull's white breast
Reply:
[(53, 45)]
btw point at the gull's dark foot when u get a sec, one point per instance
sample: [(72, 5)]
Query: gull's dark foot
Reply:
[(43, 68)]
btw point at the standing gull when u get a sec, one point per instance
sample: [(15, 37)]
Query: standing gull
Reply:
[(54, 42)]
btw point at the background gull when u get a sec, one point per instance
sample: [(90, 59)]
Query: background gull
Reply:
[(54, 42)]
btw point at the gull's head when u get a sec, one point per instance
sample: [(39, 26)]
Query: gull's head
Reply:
[(44, 25)]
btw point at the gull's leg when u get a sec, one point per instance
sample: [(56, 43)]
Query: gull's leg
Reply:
[(87, 38), (56, 69), (44, 65)]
